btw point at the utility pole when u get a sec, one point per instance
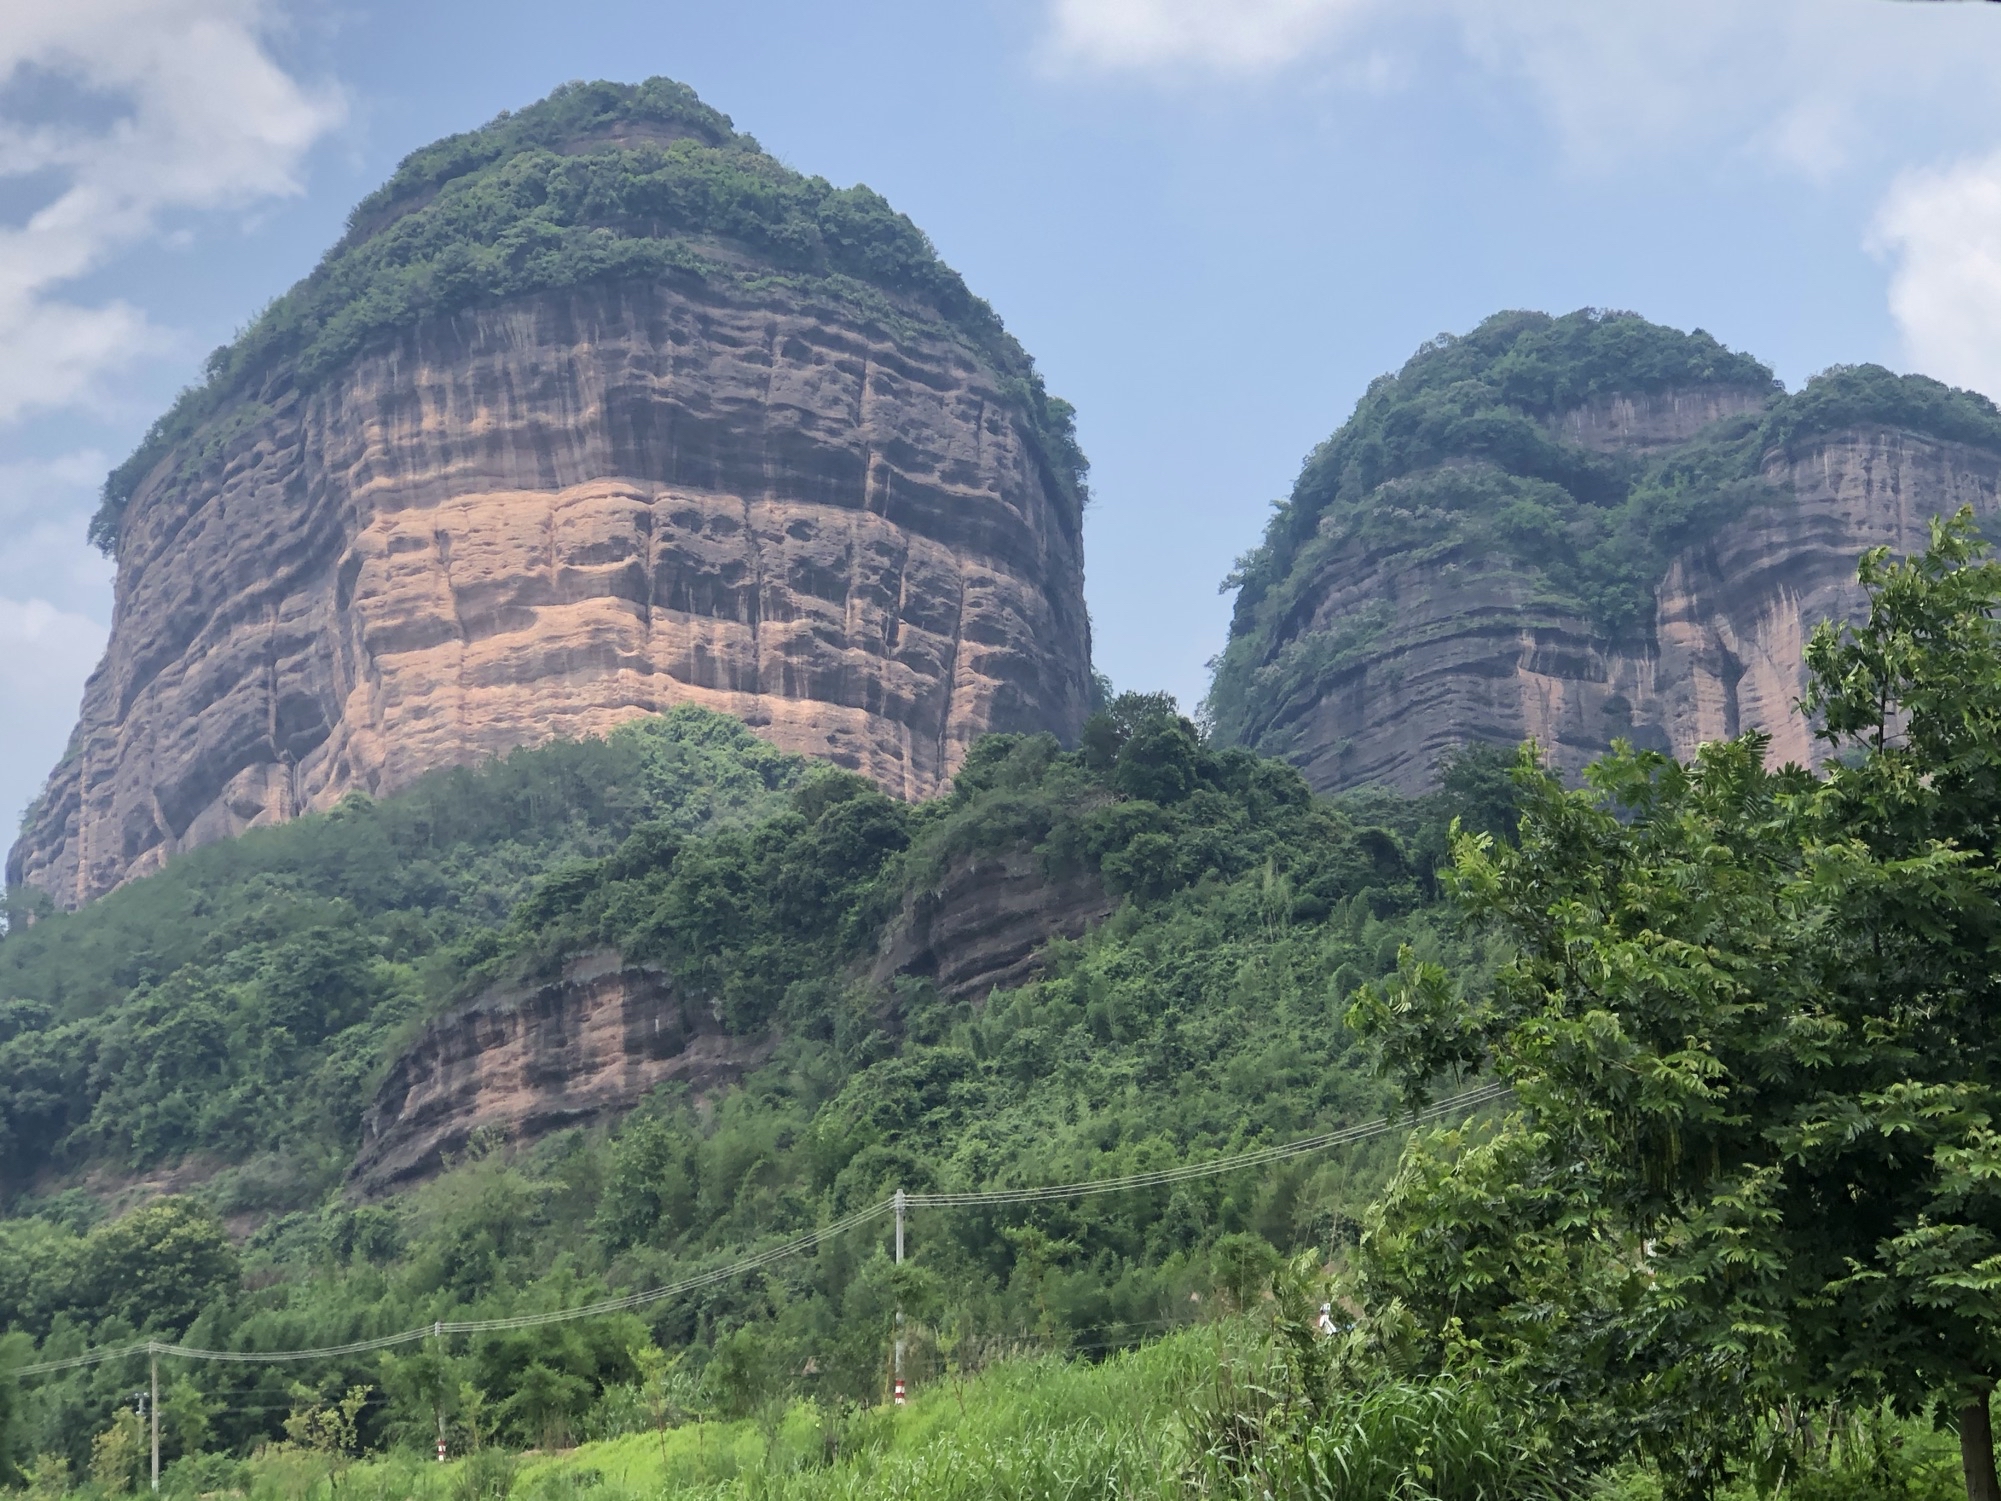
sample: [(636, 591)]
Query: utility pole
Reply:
[(438, 1346), (897, 1368), (153, 1407)]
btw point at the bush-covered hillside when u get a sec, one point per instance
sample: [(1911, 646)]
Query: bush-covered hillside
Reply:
[(1457, 452), (227, 1018), (599, 182), (1732, 1237)]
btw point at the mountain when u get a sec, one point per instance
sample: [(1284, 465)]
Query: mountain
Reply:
[(592, 411), (1573, 530)]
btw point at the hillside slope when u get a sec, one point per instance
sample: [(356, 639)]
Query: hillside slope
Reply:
[(257, 1028), (1574, 530), (593, 411)]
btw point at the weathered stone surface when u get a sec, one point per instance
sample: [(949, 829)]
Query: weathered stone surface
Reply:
[(522, 1061), (1654, 419), (1461, 647), (541, 519), (986, 923)]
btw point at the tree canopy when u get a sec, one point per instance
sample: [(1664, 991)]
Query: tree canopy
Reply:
[(1754, 1031)]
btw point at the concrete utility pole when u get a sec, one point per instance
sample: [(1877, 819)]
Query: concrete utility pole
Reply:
[(438, 1345), (153, 1407), (897, 1365)]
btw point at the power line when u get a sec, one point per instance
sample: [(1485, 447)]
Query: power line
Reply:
[(1460, 1104), (1258, 1157)]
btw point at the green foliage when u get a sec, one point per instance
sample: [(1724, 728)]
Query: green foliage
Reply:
[(1752, 1027), (598, 183), (154, 1268), (116, 1454), (1201, 1018), (1866, 396), (240, 1003)]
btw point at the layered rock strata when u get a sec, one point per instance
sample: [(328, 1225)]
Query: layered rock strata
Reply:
[(987, 922), (521, 1061), (542, 518), (1437, 650)]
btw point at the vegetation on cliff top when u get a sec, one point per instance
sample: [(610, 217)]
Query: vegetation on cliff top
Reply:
[(1457, 455), (600, 182)]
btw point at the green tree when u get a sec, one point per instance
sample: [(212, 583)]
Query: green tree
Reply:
[(544, 1403), (329, 1427), (1754, 1024), (115, 1453), (187, 1417), (157, 1266)]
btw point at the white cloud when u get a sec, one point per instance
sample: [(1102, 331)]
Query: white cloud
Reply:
[(45, 652), (1231, 35), (201, 117), (1943, 228), (54, 595), (1803, 84), (44, 505)]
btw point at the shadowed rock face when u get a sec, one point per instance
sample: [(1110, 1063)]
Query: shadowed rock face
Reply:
[(1464, 647), (986, 923), (520, 1062), (542, 518)]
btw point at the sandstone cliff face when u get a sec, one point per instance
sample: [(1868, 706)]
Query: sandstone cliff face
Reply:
[(520, 1061), (987, 922), (523, 1061), (1650, 420), (543, 518), (1439, 651)]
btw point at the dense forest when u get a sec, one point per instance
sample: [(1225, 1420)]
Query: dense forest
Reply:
[(1733, 1233), (1728, 1229), (223, 1024)]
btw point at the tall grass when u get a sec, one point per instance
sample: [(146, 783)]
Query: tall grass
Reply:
[(1186, 1417), (1439, 1439), (1024, 1430), (1229, 1412)]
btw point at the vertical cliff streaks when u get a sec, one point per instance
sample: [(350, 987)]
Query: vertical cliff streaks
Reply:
[(547, 516), (1474, 652)]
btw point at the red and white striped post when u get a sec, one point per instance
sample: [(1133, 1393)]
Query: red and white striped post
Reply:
[(899, 1391)]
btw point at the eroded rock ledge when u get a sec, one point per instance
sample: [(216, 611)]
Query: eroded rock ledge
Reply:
[(521, 1061)]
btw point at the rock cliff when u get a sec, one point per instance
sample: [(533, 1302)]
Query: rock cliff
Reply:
[(1643, 564), (523, 1059), (679, 459), (986, 922), (519, 1062)]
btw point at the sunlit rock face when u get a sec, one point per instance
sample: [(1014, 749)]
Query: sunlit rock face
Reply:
[(1470, 650), (1578, 530), (542, 518)]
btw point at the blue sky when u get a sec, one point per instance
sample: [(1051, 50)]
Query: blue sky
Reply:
[(1212, 221)]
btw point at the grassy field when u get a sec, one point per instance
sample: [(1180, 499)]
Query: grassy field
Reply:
[(1037, 1428)]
